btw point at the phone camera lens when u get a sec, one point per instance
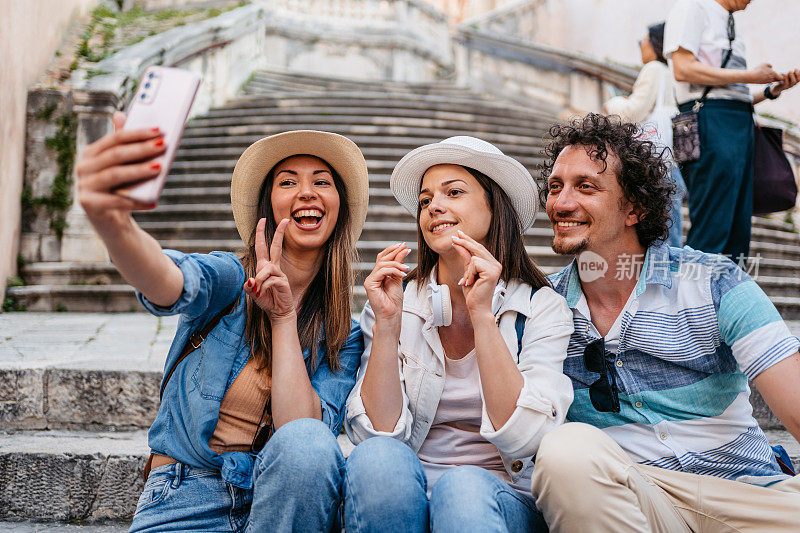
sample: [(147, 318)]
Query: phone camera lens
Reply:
[(150, 75), (147, 85), (143, 96)]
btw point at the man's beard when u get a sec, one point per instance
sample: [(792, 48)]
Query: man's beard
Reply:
[(569, 249)]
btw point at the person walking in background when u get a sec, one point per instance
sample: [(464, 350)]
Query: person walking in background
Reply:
[(652, 104), (705, 51)]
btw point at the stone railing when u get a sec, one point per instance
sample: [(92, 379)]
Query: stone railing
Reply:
[(401, 40), (529, 73), (515, 19)]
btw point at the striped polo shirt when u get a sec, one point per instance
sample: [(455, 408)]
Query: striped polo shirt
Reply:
[(696, 328)]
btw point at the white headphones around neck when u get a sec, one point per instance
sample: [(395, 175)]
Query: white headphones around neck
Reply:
[(442, 307)]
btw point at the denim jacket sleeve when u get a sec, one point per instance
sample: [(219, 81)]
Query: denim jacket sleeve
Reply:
[(546, 392), (333, 387), (357, 424), (210, 283)]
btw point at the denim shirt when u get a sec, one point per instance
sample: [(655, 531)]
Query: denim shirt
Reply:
[(189, 409)]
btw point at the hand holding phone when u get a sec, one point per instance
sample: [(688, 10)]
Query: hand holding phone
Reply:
[(162, 100)]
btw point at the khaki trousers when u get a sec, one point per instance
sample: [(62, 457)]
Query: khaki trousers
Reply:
[(583, 481)]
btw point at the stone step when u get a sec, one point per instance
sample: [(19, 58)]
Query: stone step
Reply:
[(458, 102), (71, 475), (378, 116), (260, 84), (281, 74), (185, 153), (227, 165), (451, 109), (374, 130), (25, 526), (511, 144)]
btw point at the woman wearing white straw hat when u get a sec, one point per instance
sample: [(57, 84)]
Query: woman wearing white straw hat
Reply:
[(265, 341), (480, 339)]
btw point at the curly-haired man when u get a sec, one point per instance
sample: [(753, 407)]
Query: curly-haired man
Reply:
[(661, 434)]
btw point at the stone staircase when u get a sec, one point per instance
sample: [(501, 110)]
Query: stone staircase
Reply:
[(386, 119), (75, 439)]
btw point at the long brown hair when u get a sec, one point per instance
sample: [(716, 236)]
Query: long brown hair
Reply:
[(504, 240), (325, 307)]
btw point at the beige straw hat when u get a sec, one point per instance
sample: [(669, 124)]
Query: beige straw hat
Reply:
[(339, 152), (470, 152)]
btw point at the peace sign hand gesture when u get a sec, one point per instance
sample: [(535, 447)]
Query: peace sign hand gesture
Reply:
[(481, 273), (270, 288)]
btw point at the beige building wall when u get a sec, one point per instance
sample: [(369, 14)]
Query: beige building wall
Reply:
[(30, 32)]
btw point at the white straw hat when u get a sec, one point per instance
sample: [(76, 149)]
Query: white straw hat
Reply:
[(338, 151), (473, 153)]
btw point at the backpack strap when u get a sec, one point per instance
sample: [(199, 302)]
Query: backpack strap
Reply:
[(195, 341), (519, 326)]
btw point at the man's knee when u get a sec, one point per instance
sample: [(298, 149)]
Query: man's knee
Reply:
[(572, 452)]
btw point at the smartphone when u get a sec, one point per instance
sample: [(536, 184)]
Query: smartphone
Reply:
[(163, 99)]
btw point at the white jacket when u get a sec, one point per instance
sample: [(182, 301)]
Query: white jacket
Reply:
[(543, 401)]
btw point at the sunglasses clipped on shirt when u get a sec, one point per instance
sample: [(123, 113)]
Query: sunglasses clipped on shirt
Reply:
[(603, 393)]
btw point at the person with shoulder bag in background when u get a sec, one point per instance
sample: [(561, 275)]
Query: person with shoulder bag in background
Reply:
[(652, 104), (265, 340), (714, 134)]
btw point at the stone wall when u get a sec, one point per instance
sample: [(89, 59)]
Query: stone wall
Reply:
[(30, 33)]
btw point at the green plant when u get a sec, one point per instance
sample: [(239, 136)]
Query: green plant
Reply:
[(47, 111), (14, 281), (60, 307), (63, 142), (11, 304)]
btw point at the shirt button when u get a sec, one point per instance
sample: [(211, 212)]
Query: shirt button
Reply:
[(619, 362), (663, 436), (638, 404), (517, 466)]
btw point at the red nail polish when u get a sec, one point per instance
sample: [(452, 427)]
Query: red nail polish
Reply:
[(159, 142), (155, 130), (155, 166), (258, 293)]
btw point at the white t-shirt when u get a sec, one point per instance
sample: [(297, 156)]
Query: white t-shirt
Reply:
[(701, 27), (454, 438)]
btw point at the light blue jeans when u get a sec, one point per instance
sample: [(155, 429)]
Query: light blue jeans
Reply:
[(297, 487), (385, 491), (676, 231)]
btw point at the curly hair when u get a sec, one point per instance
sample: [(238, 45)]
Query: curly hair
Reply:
[(639, 166)]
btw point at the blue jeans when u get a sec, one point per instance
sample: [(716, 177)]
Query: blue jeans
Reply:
[(385, 490), (676, 230), (297, 487)]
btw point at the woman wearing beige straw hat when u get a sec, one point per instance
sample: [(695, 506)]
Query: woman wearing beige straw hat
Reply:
[(265, 341), (479, 337)]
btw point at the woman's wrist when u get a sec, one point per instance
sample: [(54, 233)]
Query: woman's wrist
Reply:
[(286, 320), (386, 327), (481, 317)]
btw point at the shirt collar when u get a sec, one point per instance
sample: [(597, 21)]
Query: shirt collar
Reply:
[(655, 271)]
